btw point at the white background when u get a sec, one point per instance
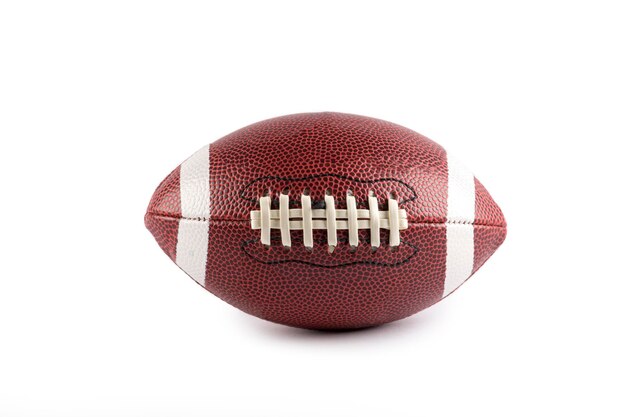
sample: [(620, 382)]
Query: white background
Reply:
[(100, 100)]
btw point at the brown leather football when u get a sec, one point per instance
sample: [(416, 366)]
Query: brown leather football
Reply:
[(326, 220)]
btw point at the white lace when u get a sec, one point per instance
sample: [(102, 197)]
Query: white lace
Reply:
[(330, 219)]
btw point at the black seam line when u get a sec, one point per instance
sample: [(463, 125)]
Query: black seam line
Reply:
[(247, 243), (312, 177), (204, 219)]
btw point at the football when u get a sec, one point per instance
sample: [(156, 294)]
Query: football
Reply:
[(326, 220)]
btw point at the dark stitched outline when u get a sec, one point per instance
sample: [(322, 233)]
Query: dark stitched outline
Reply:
[(246, 243), (312, 177)]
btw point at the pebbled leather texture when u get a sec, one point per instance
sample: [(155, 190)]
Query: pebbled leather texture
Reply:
[(320, 153)]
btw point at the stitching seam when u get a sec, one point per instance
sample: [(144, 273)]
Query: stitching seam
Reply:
[(204, 219)]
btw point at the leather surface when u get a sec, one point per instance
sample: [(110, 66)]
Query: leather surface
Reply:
[(320, 152), (164, 212)]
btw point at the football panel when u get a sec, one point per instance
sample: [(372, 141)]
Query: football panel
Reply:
[(487, 211), (165, 200), (348, 290), (192, 246), (459, 255), (486, 240), (327, 151), (165, 232), (461, 193), (195, 196)]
